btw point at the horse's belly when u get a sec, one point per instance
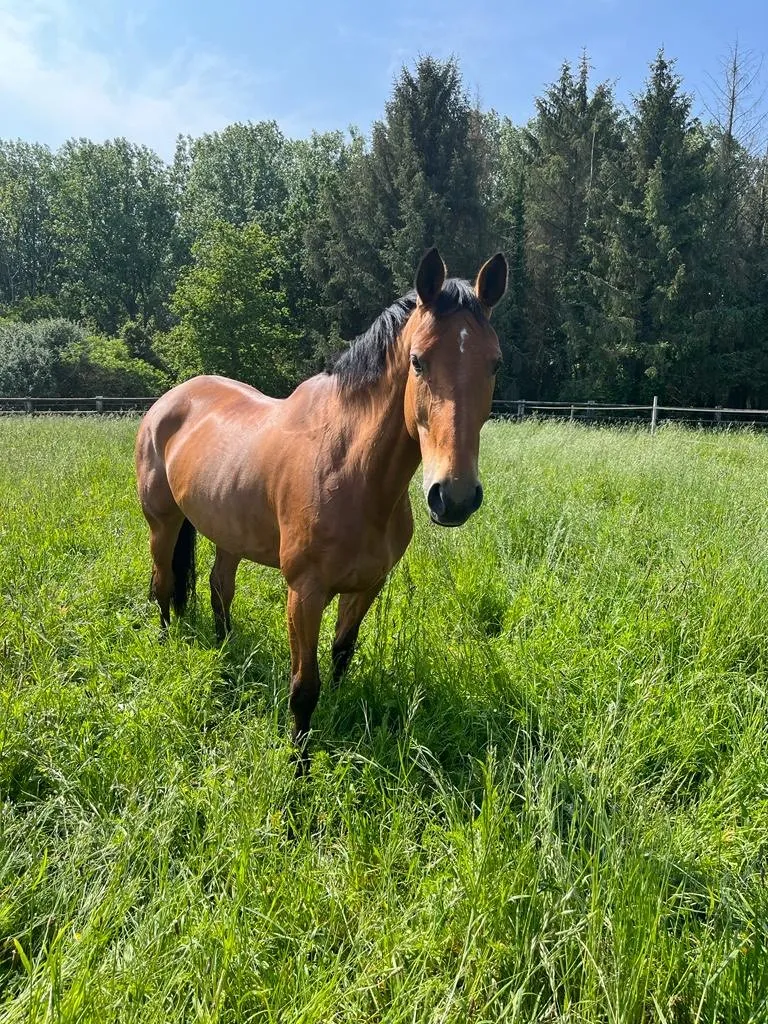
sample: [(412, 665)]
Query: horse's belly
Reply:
[(254, 536), (237, 519)]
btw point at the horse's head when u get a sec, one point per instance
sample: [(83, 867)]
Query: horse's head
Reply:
[(455, 356)]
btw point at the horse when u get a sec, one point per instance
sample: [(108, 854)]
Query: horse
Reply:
[(316, 484)]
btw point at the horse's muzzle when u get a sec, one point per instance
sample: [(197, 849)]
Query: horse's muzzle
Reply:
[(449, 506)]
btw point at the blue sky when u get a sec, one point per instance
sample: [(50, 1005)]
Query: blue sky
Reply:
[(154, 68)]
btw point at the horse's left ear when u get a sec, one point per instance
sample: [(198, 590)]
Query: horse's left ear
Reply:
[(492, 281)]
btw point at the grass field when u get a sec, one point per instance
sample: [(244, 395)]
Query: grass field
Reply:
[(540, 795)]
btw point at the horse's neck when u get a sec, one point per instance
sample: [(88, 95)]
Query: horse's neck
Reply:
[(391, 455)]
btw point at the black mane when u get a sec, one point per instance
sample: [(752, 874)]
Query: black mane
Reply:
[(362, 363)]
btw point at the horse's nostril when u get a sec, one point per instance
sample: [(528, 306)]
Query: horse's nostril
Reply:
[(449, 510), (436, 499)]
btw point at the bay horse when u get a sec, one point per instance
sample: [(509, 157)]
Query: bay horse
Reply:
[(316, 484)]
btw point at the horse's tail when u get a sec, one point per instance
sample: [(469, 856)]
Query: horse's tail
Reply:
[(183, 565)]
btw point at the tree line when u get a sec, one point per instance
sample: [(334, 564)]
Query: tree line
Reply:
[(637, 241)]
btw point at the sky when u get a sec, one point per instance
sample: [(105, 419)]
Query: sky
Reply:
[(152, 69)]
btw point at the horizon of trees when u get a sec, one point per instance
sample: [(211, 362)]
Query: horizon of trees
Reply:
[(637, 240)]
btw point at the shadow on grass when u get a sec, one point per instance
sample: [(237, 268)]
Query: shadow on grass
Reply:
[(382, 713)]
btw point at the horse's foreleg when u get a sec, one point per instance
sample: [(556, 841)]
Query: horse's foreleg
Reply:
[(223, 590), (352, 611), (305, 611)]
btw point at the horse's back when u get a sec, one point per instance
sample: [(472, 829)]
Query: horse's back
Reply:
[(202, 394), (183, 410)]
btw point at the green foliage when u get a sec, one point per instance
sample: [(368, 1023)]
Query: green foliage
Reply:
[(57, 358), (29, 257), (138, 339), (28, 309), (313, 167), (661, 238), (341, 243), (416, 185), (557, 165), (238, 175), (427, 151), (540, 795), (508, 207), (115, 222), (233, 319), (99, 365), (31, 356), (26, 361)]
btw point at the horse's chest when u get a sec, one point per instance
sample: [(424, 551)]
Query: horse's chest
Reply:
[(362, 565), (360, 556), (341, 539)]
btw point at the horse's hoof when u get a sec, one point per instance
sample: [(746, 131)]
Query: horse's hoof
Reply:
[(302, 762)]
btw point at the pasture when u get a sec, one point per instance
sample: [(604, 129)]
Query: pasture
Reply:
[(540, 795)]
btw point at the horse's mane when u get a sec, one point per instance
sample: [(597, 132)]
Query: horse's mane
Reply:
[(363, 362)]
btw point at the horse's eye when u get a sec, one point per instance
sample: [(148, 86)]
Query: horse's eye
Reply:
[(418, 366)]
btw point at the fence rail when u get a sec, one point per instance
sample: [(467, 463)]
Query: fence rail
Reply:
[(72, 406), (603, 412), (517, 409)]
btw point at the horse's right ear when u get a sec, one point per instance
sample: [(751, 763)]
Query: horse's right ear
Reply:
[(430, 276)]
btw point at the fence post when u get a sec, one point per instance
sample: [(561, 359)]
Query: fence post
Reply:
[(520, 408), (29, 406), (654, 413), (570, 418), (99, 403), (718, 414)]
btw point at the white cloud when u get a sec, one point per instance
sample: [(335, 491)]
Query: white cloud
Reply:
[(57, 77)]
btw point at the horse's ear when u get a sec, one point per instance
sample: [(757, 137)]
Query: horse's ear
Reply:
[(430, 276), (492, 281)]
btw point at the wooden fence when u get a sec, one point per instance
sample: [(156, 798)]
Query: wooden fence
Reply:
[(652, 415), (74, 406), (584, 412)]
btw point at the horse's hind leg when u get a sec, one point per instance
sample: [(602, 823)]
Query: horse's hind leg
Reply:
[(163, 515), (223, 590), (162, 540)]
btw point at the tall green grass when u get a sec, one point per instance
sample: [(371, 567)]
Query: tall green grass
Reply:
[(540, 795)]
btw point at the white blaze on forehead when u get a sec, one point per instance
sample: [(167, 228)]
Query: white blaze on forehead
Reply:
[(463, 335)]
